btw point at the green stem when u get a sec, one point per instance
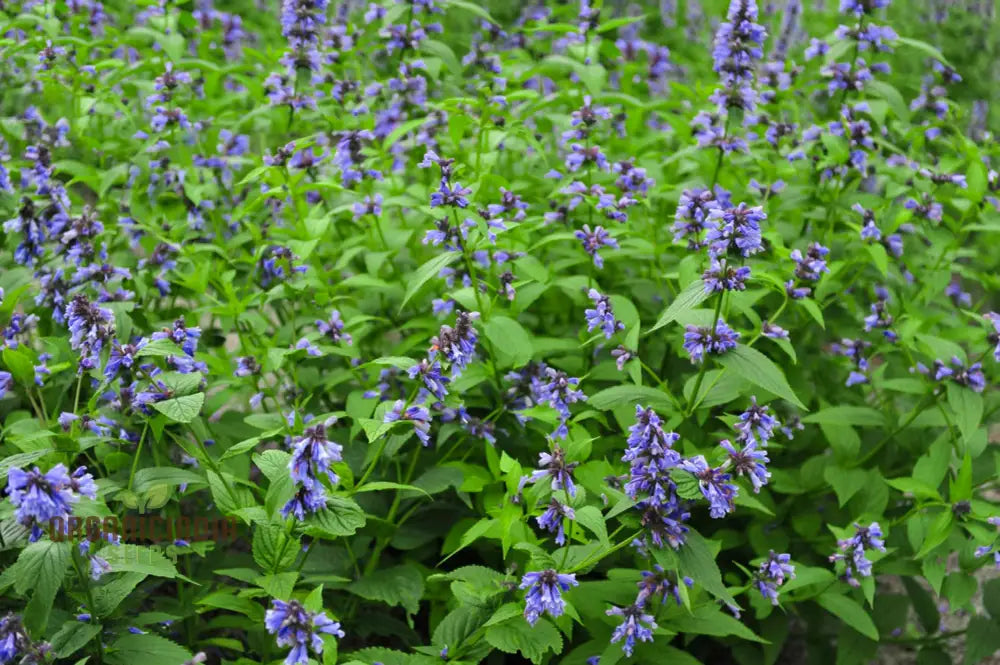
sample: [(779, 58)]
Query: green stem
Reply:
[(138, 452), (704, 362), (91, 607)]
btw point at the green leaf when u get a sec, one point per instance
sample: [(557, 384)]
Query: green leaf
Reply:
[(160, 348), (146, 479), (509, 339), (991, 597), (341, 517), (401, 585), (20, 365), (847, 415), (845, 482), (146, 649), (615, 396), (73, 636), (712, 620), (137, 559), (924, 47), (591, 518), (916, 487), (924, 605), (40, 567), (181, 409), (400, 362), (848, 611), (107, 597), (426, 272), (891, 95), (961, 487), (228, 600), (380, 485), (982, 640), (968, 407), (459, 624), (474, 8), (759, 370), (698, 563), (532, 642), (20, 460), (692, 296), (274, 550)]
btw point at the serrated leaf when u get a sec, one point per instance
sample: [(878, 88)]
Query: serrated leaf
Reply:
[(847, 415), (73, 636), (341, 517), (697, 562), (532, 642), (148, 649), (426, 272), (510, 339), (181, 409), (138, 559), (615, 396), (273, 549), (401, 585), (692, 296), (760, 370), (848, 611), (591, 518), (40, 568)]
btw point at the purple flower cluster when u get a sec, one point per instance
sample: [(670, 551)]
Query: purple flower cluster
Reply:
[(312, 457), (602, 315), (699, 340), (772, 574), (296, 627), (40, 497), (651, 458), (853, 552), (545, 593)]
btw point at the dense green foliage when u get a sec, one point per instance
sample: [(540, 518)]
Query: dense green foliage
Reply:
[(448, 332)]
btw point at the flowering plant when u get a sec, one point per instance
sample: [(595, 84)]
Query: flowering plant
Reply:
[(558, 332)]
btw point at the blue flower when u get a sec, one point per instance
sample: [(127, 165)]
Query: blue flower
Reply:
[(6, 383), (123, 356), (756, 424), (41, 497), (553, 465), (699, 340), (631, 628), (313, 454), (416, 414), (594, 240), (458, 344), (659, 583), (721, 276), (552, 519), (430, 373), (772, 574), (544, 593), (90, 327), (14, 641), (715, 485), (663, 522), (852, 552), (651, 456), (560, 391), (300, 629), (735, 229), (602, 315), (749, 461), (448, 195), (811, 266)]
